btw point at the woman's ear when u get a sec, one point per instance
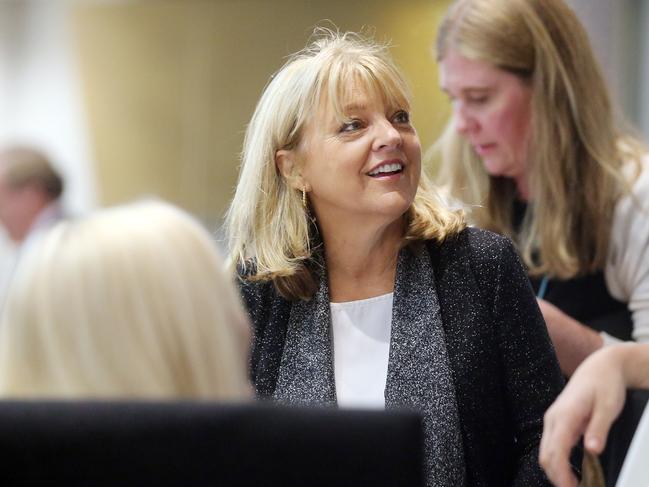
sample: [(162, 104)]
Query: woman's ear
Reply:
[(286, 165)]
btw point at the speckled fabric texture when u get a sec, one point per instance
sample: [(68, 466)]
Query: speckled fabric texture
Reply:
[(419, 375), (502, 366)]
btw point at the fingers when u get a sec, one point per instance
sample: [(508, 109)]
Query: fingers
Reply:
[(557, 468), (603, 415), (559, 436), (596, 433)]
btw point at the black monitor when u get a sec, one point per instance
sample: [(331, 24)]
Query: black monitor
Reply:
[(205, 444)]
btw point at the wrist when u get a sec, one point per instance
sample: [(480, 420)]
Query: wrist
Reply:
[(634, 360)]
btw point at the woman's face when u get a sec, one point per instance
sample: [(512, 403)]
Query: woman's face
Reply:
[(363, 167), (492, 110)]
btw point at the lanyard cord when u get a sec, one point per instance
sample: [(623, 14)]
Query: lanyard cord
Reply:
[(543, 287)]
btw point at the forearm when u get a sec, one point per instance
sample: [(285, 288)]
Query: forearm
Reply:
[(573, 341)]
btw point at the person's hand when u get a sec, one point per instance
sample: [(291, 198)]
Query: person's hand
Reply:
[(588, 405), (572, 340)]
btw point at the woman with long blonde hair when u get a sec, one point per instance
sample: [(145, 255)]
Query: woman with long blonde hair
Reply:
[(535, 152), (365, 289)]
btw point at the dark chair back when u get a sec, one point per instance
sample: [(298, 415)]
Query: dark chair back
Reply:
[(205, 444)]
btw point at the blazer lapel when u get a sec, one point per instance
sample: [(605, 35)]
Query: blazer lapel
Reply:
[(419, 373), (416, 318), (306, 372)]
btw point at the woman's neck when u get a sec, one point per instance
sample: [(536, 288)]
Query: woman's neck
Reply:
[(522, 188), (362, 260)]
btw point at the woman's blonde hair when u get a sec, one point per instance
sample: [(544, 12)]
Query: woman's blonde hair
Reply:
[(131, 301), (270, 231), (576, 156)]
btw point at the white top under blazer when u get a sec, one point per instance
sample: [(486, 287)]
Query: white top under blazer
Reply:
[(361, 348)]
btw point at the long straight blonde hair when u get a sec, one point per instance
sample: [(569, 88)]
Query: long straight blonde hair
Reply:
[(577, 158), (270, 231)]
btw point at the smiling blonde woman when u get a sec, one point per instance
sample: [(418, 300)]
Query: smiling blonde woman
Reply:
[(365, 290)]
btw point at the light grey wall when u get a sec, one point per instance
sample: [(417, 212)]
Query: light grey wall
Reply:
[(621, 43), (642, 66)]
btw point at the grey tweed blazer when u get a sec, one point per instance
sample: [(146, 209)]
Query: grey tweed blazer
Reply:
[(503, 366)]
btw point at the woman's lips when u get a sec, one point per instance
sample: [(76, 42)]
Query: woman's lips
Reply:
[(484, 149)]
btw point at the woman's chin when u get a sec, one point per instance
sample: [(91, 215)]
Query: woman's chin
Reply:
[(395, 205), (498, 168), (492, 168)]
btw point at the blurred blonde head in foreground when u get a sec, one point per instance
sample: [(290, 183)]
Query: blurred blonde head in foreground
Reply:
[(132, 301)]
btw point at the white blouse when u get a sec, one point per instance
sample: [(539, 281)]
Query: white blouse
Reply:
[(361, 344), (634, 471), (627, 267)]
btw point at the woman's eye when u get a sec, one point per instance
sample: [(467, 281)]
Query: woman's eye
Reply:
[(478, 100), (351, 125), (401, 117)]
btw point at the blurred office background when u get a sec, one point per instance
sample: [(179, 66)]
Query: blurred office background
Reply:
[(151, 97)]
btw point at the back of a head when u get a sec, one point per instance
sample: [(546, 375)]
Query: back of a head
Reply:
[(131, 301), (22, 165)]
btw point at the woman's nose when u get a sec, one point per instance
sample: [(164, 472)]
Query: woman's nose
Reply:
[(464, 122), (387, 137)]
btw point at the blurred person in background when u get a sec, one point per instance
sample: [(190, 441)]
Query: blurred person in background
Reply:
[(30, 192), (533, 149), (128, 302), (365, 290), (30, 195)]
